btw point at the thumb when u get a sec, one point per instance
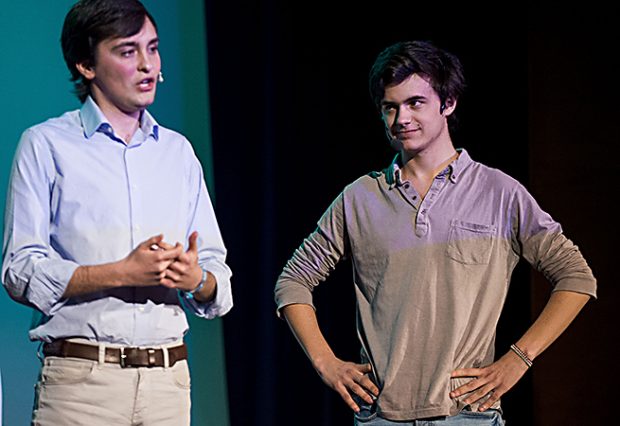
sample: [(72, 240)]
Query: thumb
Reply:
[(193, 242)]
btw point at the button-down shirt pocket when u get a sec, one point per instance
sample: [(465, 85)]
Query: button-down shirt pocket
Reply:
[(470, 243)]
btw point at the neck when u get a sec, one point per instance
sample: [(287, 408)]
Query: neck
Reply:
[(124, 123), (427, 163)]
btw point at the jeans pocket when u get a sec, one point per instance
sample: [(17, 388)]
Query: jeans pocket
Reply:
[(367, 411), (180, 375), (65, 371), (490, 417)]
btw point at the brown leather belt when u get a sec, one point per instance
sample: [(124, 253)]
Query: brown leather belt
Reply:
[(125, 356)]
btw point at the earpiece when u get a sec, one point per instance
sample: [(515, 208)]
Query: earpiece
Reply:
[(160, 78)]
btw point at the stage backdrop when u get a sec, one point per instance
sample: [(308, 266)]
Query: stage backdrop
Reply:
[(34, 85)]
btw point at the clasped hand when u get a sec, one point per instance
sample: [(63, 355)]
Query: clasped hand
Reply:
[(156, 262)]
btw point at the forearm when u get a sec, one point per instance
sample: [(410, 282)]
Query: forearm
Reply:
[(560, 311), (145, 266), (303, 322), (89, 279)]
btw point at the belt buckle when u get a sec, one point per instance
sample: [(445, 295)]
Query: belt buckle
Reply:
[(134, 353)]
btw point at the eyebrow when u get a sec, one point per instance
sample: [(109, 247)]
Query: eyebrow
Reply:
[(134, 44), (408, 100)]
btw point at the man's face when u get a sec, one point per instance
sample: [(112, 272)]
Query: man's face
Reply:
[(412, 117), (124, 76)]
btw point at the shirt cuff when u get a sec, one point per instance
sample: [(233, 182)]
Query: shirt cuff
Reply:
[(48, 284), (220, 305)]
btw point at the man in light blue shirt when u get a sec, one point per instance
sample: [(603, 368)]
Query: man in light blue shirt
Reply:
[(109, 231)]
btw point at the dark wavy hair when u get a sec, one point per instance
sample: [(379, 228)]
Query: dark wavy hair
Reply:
[(88, 23), (398, 62)]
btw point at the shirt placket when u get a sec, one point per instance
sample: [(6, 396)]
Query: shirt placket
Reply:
[(422, 207), (136, 230)]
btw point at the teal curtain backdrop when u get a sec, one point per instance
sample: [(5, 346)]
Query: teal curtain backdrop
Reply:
[(34, 85)]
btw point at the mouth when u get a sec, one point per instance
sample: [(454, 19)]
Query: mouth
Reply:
[(146, 84), (406, 132)]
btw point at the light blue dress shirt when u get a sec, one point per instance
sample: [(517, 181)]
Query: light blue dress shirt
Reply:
[(78, 195)]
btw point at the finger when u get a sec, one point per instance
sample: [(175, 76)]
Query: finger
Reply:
[(344, 394), (178, 268), (173, 275), (173, 253), (369, 385), (193, 243), (365, 381), (186, 258), (479, 394), (364, 368), (493, 398), (466, 372), (467, 387), (152, 243), (168, 283), (361, 392), (166, 246), (155, 239)]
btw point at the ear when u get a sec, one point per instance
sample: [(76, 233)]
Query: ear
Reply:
[(450, 106), (86, 69)]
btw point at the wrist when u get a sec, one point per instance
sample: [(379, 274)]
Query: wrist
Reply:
[(522, 355), (321, 361), (201, 284)]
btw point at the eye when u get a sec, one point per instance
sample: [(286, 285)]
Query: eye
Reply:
[(415, 103), (388, 109), (154, 48), (127, 53)]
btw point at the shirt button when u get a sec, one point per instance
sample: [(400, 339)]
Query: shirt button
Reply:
[(141, 308)]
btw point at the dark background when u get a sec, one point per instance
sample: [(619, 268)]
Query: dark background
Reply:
[(293, 124)]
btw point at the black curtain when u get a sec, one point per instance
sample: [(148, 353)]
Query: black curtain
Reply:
[(292, 124)]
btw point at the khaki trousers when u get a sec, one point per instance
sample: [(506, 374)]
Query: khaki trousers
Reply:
[(77, 392)]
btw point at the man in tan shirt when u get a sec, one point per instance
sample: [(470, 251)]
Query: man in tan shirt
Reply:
[(433, 241)]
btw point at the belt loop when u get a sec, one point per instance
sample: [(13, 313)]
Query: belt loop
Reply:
[(101, 353), (164, 350), (40, 352)]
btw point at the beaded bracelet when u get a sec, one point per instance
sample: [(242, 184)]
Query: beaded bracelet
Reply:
[(521, 355), (203, 280)]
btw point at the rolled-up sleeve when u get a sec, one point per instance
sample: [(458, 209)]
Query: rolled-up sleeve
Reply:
[(32, 271), (211, 251)]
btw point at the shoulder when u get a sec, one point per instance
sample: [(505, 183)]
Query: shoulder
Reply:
[(43, 136), (370, 181), (493, 177), (175, 141), (69, 121)]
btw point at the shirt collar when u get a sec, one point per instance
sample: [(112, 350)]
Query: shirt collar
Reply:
[(453, 170), (93, 121)]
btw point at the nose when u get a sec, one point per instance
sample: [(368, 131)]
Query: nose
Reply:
[(403, 115), (144, 64)]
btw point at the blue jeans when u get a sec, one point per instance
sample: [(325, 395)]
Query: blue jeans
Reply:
[(367, 417)]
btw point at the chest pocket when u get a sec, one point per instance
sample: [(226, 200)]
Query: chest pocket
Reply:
[(470, 243)]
